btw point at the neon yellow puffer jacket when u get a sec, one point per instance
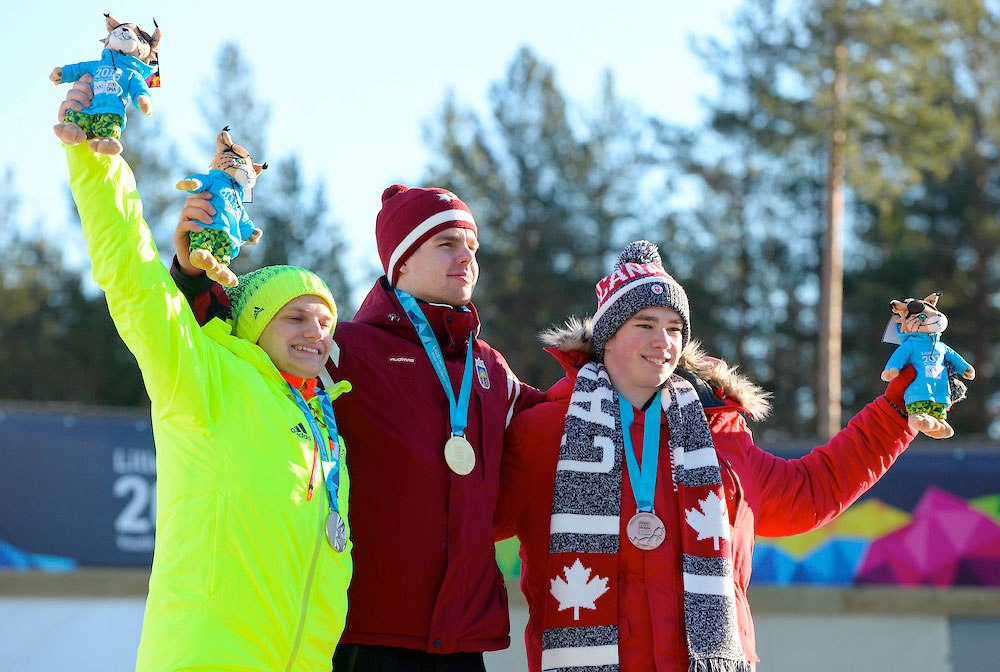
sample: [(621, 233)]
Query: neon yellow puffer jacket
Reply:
[(243, 577)]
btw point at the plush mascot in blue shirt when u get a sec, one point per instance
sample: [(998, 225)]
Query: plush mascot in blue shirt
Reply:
[(919, 325), (231, 174), (120, 78)]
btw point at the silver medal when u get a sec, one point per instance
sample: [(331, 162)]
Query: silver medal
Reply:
[(645, 530), (336, 531)]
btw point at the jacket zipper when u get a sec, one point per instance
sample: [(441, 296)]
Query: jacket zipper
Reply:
[(305, 594)]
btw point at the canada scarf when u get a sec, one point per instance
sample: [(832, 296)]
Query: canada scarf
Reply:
[(585, 532)]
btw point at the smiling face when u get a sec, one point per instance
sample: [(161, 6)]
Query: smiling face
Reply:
[(298, 339), (644, 352), (444, 269)]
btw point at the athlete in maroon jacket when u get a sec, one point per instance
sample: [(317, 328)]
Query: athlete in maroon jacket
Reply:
[(425, 460)]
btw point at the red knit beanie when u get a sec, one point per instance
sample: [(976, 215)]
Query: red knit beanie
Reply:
[(409, 217)]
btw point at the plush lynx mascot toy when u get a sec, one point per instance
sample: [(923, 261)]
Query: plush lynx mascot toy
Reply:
[(919, 325), (232, 172), (119, 79)]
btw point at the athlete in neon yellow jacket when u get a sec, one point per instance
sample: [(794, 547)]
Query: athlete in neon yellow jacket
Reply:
[(243, 577)]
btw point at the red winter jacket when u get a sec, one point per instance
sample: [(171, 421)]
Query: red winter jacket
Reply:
[(766, 495), (425, 572)]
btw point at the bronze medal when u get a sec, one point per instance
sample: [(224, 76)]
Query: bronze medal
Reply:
[(459, 455), (645, 530)]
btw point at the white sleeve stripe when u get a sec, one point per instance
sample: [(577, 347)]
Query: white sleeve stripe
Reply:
[(512, 382), (326, 379)]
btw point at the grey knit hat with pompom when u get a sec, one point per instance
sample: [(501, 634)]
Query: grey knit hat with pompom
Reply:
[(637, 281)]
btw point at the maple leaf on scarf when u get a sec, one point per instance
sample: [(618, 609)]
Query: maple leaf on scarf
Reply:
[(711, 521), (578, 590)]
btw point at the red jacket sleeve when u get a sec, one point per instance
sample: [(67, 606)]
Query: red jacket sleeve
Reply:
[(798, 495), (520, 396), (527, 472)]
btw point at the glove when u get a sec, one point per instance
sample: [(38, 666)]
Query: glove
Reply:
[(897, 386)]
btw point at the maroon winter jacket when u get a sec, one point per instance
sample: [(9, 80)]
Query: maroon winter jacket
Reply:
[(425, 571), (765, 494)]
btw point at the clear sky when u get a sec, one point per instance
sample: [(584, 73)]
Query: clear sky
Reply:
[(350, 85)]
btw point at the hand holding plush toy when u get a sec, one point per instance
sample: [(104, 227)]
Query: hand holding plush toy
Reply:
[(927, 398), (231, 172), (119, 78)]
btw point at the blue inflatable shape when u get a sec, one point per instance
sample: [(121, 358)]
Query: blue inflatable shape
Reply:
[(12, 557), (833, 564), (772, 566)]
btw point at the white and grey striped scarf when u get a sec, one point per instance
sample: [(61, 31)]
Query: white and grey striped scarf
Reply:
[(585, 533)]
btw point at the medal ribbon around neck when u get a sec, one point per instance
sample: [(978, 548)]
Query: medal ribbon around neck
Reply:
[(330, 462), (459, 408), (643, 480)]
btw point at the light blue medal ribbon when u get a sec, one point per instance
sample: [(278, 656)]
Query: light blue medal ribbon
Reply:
[(459, 408), (643, 480), (336, 531)]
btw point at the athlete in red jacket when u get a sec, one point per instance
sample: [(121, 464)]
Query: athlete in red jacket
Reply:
[(425, 458), (620, 568)]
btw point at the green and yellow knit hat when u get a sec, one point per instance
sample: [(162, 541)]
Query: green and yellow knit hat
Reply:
[(262, 293)]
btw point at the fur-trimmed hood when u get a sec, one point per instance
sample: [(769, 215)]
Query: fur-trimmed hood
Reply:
[(571, 346)]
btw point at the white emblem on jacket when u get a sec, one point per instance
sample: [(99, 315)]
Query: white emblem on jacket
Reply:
[(482, 374)]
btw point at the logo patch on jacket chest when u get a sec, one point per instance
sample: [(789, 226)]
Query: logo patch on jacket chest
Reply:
[(482, 374)]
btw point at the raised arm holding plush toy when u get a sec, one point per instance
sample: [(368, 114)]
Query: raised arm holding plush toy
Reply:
[(637, 488), (919, 325), (253, 547), (231, 172), (119, 79)]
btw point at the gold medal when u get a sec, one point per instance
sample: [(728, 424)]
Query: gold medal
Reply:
[(645, 530), (459, 455)]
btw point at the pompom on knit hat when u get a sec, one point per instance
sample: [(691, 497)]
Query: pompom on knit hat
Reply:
[(409, 217), (262, 293), (638, 281)]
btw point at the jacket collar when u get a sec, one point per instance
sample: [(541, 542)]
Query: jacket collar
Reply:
[(452, 327), (306, 386), (919, 336)]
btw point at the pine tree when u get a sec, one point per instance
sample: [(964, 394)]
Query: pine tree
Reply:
[(293, 214), (555, 193), (904, 126), (230, 98), (57, 344), (300, 230), (156, 164), (747, 249)]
